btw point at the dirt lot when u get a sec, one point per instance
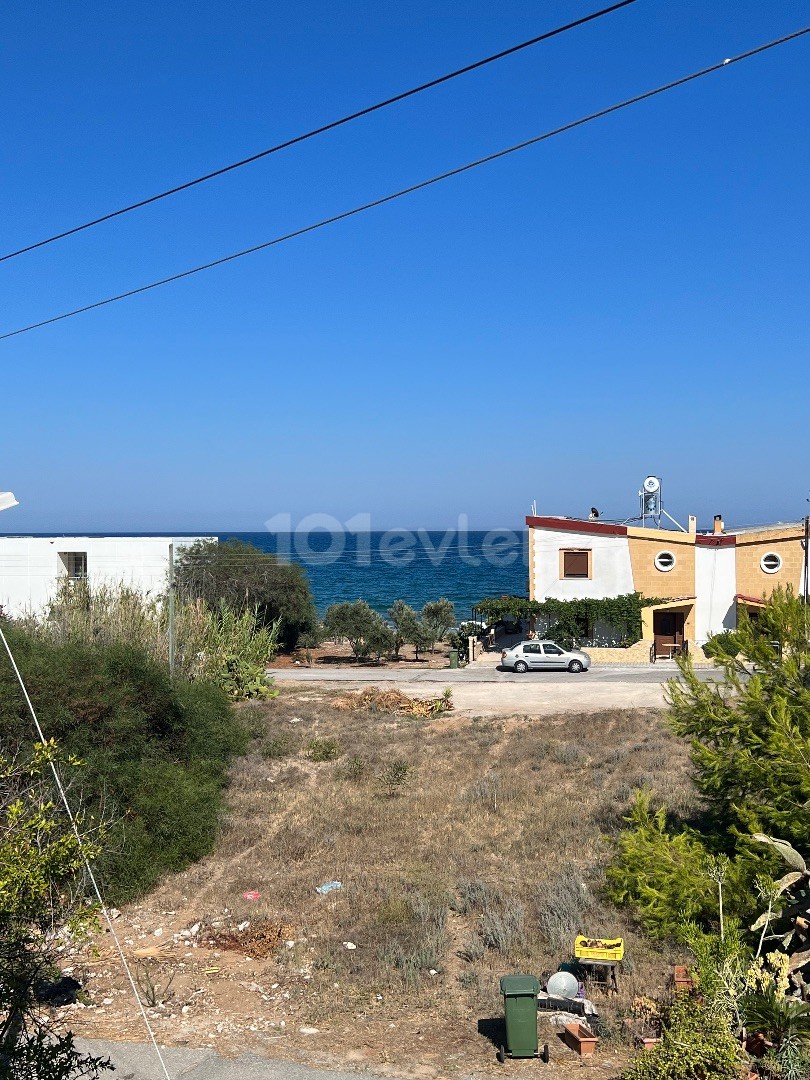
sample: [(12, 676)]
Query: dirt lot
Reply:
[(466, 848)]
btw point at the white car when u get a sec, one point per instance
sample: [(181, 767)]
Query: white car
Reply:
[(544, 656)]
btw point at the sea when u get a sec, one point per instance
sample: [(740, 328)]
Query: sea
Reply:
[(411, 565), (414, 565)]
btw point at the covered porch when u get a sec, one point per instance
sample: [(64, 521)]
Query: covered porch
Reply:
[(669, 627)]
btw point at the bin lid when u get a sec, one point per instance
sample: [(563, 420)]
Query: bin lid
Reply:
[(519, 984)]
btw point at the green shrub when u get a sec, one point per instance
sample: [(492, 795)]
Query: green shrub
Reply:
[(229, 646), (277, 746), (777, 1017), (356, 768), (323, 749), (156, 751), (460, 639), (394, 777), (664, 874), (246, 579), (696, 1044), (725, 644)]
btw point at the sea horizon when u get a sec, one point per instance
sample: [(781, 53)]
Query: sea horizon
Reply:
[(381, 566)]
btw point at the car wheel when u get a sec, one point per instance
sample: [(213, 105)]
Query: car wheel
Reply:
[(575, 667), (521, 666)]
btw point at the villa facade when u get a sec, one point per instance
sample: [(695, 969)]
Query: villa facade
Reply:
[(700, 580)]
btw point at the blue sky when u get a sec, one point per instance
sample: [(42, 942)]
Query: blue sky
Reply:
[(627, 298)]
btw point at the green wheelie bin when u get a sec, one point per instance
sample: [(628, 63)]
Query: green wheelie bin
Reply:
[(520, 1009)]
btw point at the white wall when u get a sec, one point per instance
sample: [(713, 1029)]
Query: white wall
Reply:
[(610, 564), (30, 566), (715, 588)]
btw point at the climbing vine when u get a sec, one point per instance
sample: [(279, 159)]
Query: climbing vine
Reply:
[(572, 622)]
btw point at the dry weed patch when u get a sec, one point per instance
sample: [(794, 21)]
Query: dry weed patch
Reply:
[(391, 700), (464, 849), (259, 940)]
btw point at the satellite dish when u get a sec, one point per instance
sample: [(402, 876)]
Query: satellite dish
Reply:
[(652, 484), (562, 984)]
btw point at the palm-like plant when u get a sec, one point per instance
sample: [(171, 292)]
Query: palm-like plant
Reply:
[(777, 1017)]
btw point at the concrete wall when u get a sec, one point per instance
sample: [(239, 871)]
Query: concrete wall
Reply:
[(715, 587), (611, 572), (30, 566)]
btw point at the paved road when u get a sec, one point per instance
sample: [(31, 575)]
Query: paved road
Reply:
[(483, 690), (138, 1061)]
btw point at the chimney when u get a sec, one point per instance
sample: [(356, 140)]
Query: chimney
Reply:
[(692, 523), (718, 524)]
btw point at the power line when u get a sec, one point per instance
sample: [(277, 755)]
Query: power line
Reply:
[(367, 111), (409, 190)]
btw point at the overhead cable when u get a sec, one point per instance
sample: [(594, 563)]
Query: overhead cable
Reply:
[(367, 111), (344, 215)]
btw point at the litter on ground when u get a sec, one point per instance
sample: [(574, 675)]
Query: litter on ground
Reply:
[(329, 886)]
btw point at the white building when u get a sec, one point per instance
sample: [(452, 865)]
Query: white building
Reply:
[(31, 566), (698, 581)]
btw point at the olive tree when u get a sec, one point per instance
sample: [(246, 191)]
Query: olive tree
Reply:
[(364, 629)]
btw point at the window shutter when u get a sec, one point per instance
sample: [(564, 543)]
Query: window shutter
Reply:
[(575, 564)]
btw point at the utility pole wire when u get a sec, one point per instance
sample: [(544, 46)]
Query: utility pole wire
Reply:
[(409, 190), (367, 111)]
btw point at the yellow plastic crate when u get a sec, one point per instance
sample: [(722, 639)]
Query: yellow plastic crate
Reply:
[(598, 948)]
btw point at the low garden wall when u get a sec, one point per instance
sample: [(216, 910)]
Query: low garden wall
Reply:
[(639, 654)]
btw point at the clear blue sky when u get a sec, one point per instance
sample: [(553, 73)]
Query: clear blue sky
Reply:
[(631, 297)]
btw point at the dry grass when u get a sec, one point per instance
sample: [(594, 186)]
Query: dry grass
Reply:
[(466, 848)]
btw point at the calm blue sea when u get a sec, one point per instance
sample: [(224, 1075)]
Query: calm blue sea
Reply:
[(412, 566)]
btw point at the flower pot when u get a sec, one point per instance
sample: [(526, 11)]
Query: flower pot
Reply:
[(580, 1038), (683, 980), (635, 1030), (756, 1045)]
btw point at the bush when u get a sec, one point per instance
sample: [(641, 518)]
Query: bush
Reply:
[(749, 736), (696, 1044), (664, 875), (460, 639), (725, 644), (156, 752), (323, 749), (245, 578), (220, 643), (438, 616), (560, 904), (394, 777)]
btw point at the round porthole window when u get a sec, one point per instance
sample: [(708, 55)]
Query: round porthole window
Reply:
[(771, 562), (664, 561)]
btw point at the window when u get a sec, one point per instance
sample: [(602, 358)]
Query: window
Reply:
[(664, 561), (531, 648), (576, 564), (75, 564), (552, 650), (771, 562)]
